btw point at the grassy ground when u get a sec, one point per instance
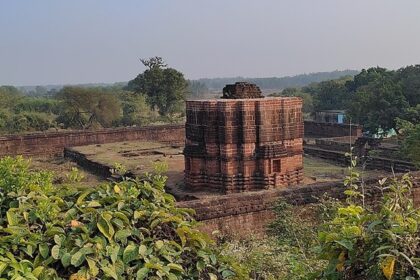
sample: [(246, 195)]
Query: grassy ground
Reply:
[(62, 169), (139, 157), (319, 170)]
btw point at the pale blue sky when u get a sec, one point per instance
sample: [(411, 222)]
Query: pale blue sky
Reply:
[(82, 41)]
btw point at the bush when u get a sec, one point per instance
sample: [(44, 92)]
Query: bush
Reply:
[(384, 243), (129, 230), (269, 259)]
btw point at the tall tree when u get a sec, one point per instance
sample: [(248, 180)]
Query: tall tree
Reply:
[(88, 107), (378, 104), (410, 82), (9, 95), (135, 109), (165, 88), (329, 95)]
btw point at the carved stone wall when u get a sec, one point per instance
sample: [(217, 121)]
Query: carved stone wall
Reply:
[(235, 145)]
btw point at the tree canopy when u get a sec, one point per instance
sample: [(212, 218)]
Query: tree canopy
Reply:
[(375, 97), (165, 88), (83, 108)]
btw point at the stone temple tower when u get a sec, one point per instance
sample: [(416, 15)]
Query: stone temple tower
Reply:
[(243, 142)]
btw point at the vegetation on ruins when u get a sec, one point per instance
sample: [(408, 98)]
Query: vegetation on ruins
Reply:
[(129, 230), (367, 242), (339, 240)]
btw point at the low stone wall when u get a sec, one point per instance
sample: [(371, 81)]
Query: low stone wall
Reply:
[(372, 162), (54, 142), (88, 164), (249, 213), (333, 144), (50, 143), (323, 130)]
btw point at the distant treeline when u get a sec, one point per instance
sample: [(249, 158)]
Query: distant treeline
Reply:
[(377, 98), (205, 85), (278, 83)]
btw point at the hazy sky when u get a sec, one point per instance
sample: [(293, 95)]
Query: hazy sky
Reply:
[(81, 41)]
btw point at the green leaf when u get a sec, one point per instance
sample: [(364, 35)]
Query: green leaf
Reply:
[(3, 266), (177, 267), (110, 271), (130, 253), (82, 197), (37, 271), (172, 276), (139, 214), (93, 269), (94, 204), (58, 239), (65, 259), (122, 217), (12, 218), (346, 244), (77, 259), (43, 250), (122, 235), (113, 252), (181, 234), (106, 228), (212, 276), (142, 273), (200, 265), (226, 274), (142, 250), (54, 231), (55, 252), (159, 244)]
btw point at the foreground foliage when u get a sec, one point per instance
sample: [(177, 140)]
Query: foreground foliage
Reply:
[(364, 243), (130, 230), (269, 259)]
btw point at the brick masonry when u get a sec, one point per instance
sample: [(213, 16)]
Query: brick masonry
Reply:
[(319, 129), (49, 143), (333, 153), (235, 145), (242, 90), (54, 142), (249, 213)]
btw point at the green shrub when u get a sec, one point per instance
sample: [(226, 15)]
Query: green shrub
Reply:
[(129, 230), (364, 243), (269, 259)]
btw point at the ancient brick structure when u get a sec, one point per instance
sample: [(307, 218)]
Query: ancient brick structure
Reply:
[(235, 145), (50, 143), (241, 90)]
